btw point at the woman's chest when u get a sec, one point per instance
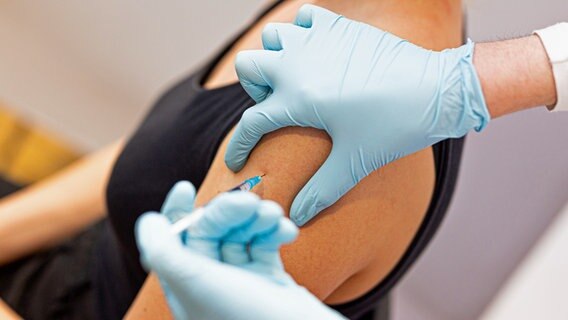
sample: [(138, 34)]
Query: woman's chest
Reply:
[(177, 141)]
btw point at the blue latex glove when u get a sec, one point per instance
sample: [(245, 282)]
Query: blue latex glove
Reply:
[(378, 96), (230, 266)]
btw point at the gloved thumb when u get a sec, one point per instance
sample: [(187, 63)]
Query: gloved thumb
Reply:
[(333, 179), (254, 68), (179, 201)]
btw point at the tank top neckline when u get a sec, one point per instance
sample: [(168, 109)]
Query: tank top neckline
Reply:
[(200, 77)]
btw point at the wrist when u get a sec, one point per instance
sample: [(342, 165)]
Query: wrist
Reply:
[(514, 75)]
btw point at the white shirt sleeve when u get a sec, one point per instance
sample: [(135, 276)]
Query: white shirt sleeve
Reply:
[(555, 40)]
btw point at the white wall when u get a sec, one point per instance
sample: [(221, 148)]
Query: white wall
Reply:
[(539, 286), (90, 69), (514, 180)]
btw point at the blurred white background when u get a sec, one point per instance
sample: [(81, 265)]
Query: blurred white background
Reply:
[(90, 69)]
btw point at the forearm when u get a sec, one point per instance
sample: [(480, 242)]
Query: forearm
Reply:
[(515, 75), (52, 210), (7, 313)]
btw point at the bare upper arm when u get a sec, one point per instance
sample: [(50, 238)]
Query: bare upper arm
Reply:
[(364, 233), (385, 208)]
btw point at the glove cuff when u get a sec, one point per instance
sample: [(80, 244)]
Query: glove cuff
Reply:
[(462, 103), (473, 98)]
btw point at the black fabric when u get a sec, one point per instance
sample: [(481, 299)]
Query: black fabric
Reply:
[(7, 187), (55, 283), (178, 141)]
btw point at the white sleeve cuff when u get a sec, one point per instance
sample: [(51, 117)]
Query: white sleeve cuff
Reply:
[(555, 41)]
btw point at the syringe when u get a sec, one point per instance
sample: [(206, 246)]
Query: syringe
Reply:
[(248, 184), (187, 222)]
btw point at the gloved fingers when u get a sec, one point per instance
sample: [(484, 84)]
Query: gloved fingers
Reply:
[(234, 249), (149, 229), (255, 123), (310, 15), (205, 247), (223, 214), (254, 69), (179, 201), (304, 17), (268, 215), (338, 174), (226, 212), (275, 36), (285, 232), (265, 248)]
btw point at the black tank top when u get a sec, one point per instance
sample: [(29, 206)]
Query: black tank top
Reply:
[(178, 140)]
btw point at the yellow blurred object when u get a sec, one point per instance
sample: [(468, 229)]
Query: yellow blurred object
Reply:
[(28, 153), (9, 129)]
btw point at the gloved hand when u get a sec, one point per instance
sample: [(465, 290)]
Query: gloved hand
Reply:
[(229, 267), (378, 96)]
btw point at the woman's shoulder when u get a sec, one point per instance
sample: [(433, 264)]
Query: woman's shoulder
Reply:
[(365, 233)]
